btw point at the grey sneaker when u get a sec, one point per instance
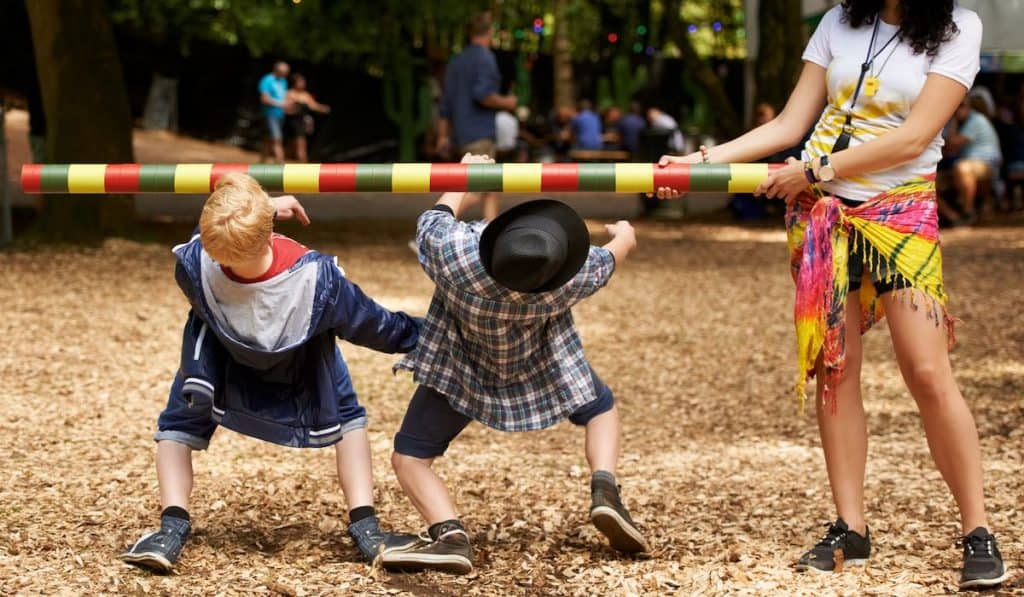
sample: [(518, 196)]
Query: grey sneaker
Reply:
[(371, 541), (449, 551), (839, 538), (158, 551), (983, 564), (612, 519)]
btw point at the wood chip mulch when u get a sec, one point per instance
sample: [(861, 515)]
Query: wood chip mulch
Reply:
[(694, 335)]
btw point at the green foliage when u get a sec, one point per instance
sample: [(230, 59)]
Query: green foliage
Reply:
[(524, 83), (336, 31), (407, 103), (624, 84), (355, 31)]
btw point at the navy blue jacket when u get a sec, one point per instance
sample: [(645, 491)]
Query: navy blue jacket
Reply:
[(287, 395)]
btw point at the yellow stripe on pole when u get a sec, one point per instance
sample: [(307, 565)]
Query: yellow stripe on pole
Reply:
[(634, 178), (301, 178), (744, 178), (410, 178), (86, 178), (520, 178), (192, 178)]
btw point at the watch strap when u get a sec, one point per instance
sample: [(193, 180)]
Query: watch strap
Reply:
[(809, 173)]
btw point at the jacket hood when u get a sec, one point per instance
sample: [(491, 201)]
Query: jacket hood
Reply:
[(262, 323)]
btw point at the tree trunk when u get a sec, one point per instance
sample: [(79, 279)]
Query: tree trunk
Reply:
[(562, 57), (87, 113), (701, 71), (780, 44)]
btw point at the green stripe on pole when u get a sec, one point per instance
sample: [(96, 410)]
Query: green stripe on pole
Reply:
[(53, 178), (270, 176), (710, 178), (597, 177), (373, 178), (157, 178), (484, 177)]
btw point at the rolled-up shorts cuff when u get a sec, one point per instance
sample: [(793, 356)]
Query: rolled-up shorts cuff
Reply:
[(603, 403), (354, 424), (172, 435)]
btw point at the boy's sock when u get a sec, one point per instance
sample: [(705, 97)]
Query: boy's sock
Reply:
[(602, 477), (446, 526), (175, 512), (360, 513)]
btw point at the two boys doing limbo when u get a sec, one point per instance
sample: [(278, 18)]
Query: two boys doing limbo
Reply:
[(498, 346)]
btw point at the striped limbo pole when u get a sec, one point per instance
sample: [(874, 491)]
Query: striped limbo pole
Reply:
[(396, 178)]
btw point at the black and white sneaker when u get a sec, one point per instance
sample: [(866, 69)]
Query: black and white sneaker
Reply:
[(446, 549), (158, 551), (371, 541), (855, 549), (983, 564), (611, 517)]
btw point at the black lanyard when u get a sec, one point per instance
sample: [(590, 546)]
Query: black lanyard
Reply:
[(844, 138)]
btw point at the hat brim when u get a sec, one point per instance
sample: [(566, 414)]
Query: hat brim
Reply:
[(576, 234)]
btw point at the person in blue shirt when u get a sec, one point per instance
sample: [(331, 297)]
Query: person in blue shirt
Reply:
[(586, 127), (630, 126), (974, 140), (471, 97), (273, 89)]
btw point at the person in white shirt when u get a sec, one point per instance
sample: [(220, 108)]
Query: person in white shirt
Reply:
[(661, 121), (879, 82), (506, 127)]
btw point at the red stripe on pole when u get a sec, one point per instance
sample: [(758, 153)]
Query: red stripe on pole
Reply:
[(32, 178), (121, 178), (559, 177), (449, 177), (673, 176), (337, 178), (218, 170)]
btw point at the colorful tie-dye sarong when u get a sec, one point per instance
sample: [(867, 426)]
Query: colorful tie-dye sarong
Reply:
[(896, 232)]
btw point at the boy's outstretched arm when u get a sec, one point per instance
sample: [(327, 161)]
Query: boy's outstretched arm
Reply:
[(623, 240), (288, 207), (357, 318), (459, 202)]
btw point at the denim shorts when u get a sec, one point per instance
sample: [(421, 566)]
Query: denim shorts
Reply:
[(430, 422), (275, 127), (188, 417)]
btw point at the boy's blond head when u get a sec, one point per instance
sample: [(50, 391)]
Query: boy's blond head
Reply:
[(237, 220)]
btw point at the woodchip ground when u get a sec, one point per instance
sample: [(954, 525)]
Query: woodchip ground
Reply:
[(694, 335)]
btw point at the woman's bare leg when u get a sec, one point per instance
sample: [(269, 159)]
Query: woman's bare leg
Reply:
[(844, 433), (921, 352)]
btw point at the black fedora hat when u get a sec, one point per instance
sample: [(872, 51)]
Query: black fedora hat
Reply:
[(535, 246)]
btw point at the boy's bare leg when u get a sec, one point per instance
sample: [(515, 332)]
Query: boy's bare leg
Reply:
[(355, 468), (604, 433), (159, 550), (607, 512), (174, 473), (424, 487)]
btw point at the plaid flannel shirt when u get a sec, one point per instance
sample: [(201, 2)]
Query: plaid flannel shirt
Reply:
[(510, 360)]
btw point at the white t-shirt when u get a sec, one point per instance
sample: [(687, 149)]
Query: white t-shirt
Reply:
[(506, 129), (901, 74)]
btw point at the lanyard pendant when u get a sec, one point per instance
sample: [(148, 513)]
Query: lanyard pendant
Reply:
[(871, 85)]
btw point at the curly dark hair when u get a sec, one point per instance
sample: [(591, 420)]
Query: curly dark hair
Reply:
[(926, 23)]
